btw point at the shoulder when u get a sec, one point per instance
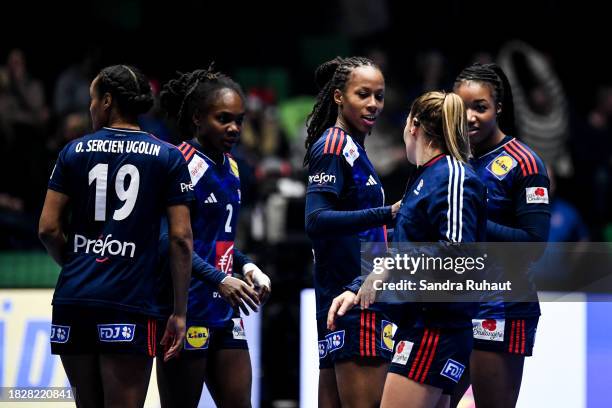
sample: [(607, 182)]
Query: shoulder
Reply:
[(452, 176), (528, 162), (332, 142), (233, 165)]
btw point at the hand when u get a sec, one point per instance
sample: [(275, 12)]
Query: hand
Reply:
[(367, 294), (395, 209), (340, 305), (174, 335), (258, 280), (237, 293)]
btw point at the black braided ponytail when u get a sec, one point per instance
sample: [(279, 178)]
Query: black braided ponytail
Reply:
[(128, 87), (495, 77), (329, 76), (181, 97)]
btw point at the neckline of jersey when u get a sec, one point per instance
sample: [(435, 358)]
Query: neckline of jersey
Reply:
[(124, 130), (507, 139), (198, 148)]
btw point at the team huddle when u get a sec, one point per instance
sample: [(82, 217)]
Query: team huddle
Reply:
[(144, 232)]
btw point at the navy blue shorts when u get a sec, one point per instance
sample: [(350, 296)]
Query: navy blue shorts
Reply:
[(512, 336), (200, 339), (359, 334), (432, 356), (91, 330)]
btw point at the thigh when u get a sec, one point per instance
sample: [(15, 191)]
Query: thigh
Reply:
[(496, 378), (125, 378), (360, 382), (83, 372), (403, 392), (180, 380), (229, 377), (328, 389)]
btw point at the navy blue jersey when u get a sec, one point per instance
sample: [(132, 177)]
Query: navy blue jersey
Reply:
[(445, 201), (339, 166), (120, 183), (517, 184), (213, 220)]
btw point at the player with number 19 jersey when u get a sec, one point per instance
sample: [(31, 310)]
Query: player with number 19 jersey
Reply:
[(120, 183)]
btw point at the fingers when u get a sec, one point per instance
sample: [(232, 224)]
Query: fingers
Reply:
[(174, 349), (248, 278), (331, 315), (264, 294)]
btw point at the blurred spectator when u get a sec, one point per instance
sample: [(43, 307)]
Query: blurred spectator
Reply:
[(541, 107), (23, 115), (592, 148), (72, 88)]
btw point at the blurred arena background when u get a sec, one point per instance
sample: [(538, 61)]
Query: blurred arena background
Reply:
[(554, 52)]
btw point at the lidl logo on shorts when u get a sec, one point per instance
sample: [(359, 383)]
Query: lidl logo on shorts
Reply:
[(387, 333), (196, 338), (402, 352), (59, 334), (322, 348), (453, 370), (335, 341), (488, 329), (501, 165), (238, 331), (116, 332)]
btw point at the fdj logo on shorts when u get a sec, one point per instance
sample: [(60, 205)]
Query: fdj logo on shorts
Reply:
[(196, 338), (59, 334), (453, 370), (387, 333), (335, 341), (116, 332)]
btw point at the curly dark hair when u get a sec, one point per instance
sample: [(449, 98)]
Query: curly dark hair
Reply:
[(183, 96)]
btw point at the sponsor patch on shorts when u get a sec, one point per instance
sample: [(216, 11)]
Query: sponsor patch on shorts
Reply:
[(335, 341), (387, 333), (453, 370), (488, 329), (402, 352), (119, 332), (238, 332), (197, 338), (59, 334)]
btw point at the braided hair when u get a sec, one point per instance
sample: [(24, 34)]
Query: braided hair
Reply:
[(128, 87), (183, 96), (329, 76), (492, 75)]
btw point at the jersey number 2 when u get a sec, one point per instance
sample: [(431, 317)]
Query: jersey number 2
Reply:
[(99, 174)]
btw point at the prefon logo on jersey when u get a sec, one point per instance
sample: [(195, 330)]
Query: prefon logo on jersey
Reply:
[(224, 256), (322, 178), (59, 334), (489, 329), (536, 195), (102, 247), (453, 370), (121, 332)]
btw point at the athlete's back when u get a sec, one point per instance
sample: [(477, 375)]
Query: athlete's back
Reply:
[(119, 183)]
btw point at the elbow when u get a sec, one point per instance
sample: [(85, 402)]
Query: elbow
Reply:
[(47, 232), (182, 239), (312, 226)]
